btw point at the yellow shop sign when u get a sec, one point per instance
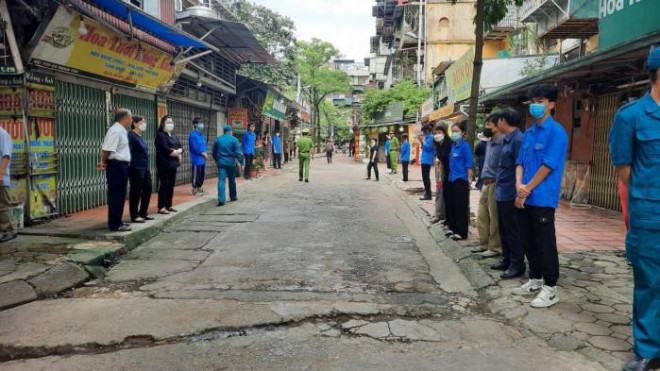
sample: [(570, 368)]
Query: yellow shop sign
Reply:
[(93, 50)]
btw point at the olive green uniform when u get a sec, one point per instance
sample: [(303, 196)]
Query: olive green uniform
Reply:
[(394, 154), (305, 145)]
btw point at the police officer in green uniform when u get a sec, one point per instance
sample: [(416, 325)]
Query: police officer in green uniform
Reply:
[(394, 153), (635, 150), (305, 145)]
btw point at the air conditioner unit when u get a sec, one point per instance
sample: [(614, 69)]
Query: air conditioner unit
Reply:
[(178, 5)]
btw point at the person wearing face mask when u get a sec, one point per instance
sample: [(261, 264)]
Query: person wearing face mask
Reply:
[(394, 153), (480, 153), (442, 150), (198, 156), (227, 153), (277, 151), (428, 155), (487, 222), (539, 170), (139, 175), (461, 164), (373, 159), (387, 153), (168, 159), (635, 145), (405, 156)]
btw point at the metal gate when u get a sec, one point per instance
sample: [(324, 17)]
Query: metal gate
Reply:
[(80, 129), (603, 190), (183, 114), (146, 108)]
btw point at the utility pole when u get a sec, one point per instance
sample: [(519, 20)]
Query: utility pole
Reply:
[(419, 44)]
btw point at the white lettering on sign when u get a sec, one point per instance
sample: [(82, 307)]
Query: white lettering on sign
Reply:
[(609, 7)]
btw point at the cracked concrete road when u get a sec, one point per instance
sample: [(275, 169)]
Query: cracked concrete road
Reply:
[(335, 274)]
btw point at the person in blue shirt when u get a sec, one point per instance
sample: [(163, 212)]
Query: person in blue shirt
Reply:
[(461, 164), (139, 176), (635, 150), (405, 156), (198, 155), (426, 160), (249, 140), (513, 256), (387, 152), (539, 170), (443, 146), (227, 153), (277, 151)]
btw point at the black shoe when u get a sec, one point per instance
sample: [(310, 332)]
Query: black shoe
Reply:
[(377, 180), (500, 266), (300, 180), (306, 180), (7, 237), (426, 198), (233, 200), (221, 204), (510, 273), (147, 217), (367, 179), (641, 364)]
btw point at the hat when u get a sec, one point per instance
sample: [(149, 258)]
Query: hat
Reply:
[(305, 131), (654, 59), (227, 128)]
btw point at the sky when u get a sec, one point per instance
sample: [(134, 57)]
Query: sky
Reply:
[(347, 24)]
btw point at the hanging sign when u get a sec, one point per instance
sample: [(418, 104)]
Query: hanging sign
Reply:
[(85, 47), (274, 106), (238, 118), (459, 77)]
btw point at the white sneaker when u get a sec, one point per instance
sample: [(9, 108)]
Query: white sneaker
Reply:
[(532, 287), (546, 298), (194, 191)]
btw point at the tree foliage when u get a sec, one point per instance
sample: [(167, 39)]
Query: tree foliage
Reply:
[(406, 91), (335, 118), (276, 33)]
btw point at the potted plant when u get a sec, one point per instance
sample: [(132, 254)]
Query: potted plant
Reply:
[(257, 164)]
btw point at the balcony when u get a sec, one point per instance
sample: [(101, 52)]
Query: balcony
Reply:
[(562, 19), (506, 26)]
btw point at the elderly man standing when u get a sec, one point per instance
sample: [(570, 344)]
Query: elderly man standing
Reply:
[(226, 153), (7, 224), (115, 159), (635, 145)]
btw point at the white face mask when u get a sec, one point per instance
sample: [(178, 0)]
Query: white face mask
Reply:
[(142, 127), (169, 127), (439, 138)]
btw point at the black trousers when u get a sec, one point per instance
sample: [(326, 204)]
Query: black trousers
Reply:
[(404, 165), (458, 206), (374, 165), (512, 252), (389, 163), (328, 155), (166, 180), (140, 194), (277, 160), (426, 178), (249, 159), (198, 176), (116, 173), (536, 228)]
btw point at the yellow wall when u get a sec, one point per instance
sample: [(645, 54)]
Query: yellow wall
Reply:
[(491, 47), (451, 41)]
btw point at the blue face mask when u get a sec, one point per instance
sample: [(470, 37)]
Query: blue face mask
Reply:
[(200, 127), (537, 110), (456, 136)]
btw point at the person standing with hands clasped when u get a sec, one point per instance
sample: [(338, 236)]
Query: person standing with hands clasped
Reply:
[(442, 150), (248, 145), (461, 164), (115, 160), (138, 172), (405, 156), (168, 159), (428, 157), (539, 170), (198, 155), (277, 151), (635, 149)]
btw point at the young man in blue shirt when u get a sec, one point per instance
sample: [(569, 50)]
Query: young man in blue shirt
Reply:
[(461, 165), (427, 159), (635, 149), (277, 151), (539, 170), (405, 156), (249, 140), (198, 155)]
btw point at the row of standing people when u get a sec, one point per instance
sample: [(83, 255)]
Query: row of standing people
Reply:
[(273, 151)]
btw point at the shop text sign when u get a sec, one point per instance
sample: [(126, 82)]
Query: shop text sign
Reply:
[(94, 50), (625, 20), (238, 118), (459, 77)]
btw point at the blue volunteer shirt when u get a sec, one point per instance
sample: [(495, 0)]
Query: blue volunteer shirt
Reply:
[(249, 138), (139, 151), (545, 144), (428, 150), (197, 145), (635, 141), (277, 145), (5, 151), (387, 146), (460, 160), (405, 152), (227, 150), (505, 186)]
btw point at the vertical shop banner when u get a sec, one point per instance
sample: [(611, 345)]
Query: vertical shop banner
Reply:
[(238, 118), (18, 188), (93, 50), (459, 77)]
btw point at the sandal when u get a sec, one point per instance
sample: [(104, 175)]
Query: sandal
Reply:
[(163, 211), (123, 228), (172, 210)]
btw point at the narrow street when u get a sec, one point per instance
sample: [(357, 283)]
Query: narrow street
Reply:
[(340, 273)]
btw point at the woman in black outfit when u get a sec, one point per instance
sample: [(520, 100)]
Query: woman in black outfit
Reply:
[(139, 175), (168, 159)]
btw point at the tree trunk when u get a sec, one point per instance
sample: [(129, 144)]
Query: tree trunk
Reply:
[(476, 76)]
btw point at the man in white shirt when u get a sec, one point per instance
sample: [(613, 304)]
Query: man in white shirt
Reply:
[(7, 224), (115, 158)]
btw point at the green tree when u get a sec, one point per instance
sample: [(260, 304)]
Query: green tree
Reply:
[(489, 13), (276, 33), (406, 91), (333, 120), (319, 81)]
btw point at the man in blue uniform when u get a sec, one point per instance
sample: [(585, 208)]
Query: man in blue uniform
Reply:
[(277, 151), (635, 150), (249, 139), (198, 155), (387, 152), (226, 153), (539, 170), (405, 156)]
